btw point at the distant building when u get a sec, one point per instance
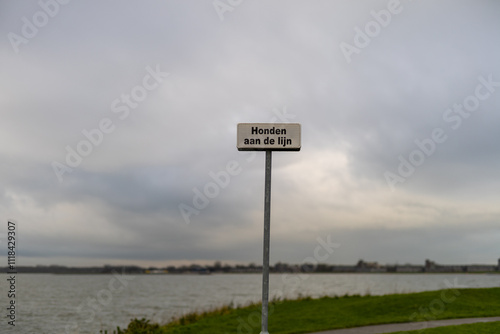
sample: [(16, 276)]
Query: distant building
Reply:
[(363, 266), (431, 266)]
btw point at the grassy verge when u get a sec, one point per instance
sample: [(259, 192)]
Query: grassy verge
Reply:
[(311, 315), (480, 328)]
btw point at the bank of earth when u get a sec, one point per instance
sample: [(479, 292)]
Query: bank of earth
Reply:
[(307, 315)]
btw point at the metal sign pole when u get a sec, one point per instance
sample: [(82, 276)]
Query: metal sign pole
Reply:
[(267, 232), (267, 137)]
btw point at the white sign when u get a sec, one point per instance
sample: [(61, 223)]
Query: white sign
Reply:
[(268, 136)]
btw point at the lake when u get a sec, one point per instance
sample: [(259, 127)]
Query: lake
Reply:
[(53, 304)]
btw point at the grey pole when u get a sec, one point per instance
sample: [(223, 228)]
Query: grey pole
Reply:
[(267, 230)]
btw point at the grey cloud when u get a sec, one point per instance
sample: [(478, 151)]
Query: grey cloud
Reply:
[(357, 119)]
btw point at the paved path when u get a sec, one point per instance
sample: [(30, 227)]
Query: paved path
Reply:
[(379, 329)]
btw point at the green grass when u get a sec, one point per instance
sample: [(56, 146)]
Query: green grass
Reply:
[(311, 315), (480, 328)]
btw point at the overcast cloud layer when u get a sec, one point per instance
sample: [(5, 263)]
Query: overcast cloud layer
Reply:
[(399, 104)]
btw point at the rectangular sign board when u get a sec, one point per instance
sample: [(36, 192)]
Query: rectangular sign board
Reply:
[(268, 136)]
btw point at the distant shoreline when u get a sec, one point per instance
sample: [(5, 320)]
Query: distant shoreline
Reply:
[(198, 270)]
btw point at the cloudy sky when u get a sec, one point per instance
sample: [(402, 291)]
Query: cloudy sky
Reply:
[(118, 129)]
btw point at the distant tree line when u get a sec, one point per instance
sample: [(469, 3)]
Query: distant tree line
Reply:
[(218, 268)]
